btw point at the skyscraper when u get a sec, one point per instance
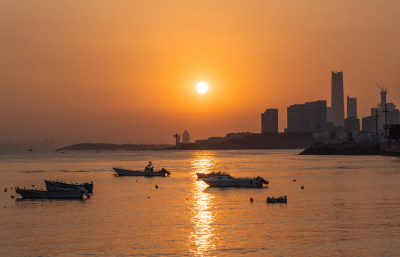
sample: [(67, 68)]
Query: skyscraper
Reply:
[(269, 121), (185, 137), (351, 107), (337, 100)]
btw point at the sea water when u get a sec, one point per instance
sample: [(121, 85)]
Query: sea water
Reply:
[(350, 205)]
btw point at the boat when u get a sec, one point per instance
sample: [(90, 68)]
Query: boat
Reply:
[(54, 185), (44, 194), (280, 199), (147, 173), (211, 174), (229, 181)]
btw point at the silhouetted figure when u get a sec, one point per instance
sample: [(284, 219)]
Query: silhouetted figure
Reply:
[(149, 167)]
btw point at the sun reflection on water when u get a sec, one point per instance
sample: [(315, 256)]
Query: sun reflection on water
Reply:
[(202, 236)]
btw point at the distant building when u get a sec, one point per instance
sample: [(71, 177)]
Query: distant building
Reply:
[(308, 117), (269, 121), (374, 112), (352, 125), (394, 117), (329, 115), (369, 124), (351, 107), (337, 99), (185, 137)]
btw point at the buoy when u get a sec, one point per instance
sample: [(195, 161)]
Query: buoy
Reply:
[(302, 187), (148, 197), (156, 186), (294, 180), (251, 199), (5, 189)]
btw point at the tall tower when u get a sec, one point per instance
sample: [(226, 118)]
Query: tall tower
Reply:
[(185, 137), (337, 100), (383, 98), (383, 107), (269, 121), (351, 107), (177, 139)]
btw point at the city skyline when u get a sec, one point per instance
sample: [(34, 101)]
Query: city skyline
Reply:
[(133, 67)]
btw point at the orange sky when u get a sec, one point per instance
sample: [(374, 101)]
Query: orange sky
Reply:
[(125, 71)]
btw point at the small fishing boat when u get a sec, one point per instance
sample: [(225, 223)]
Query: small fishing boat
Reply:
[(280, 199), (229, 181), (148, 172), (211, 174), (54, 185), (124, 172), (44, 194)]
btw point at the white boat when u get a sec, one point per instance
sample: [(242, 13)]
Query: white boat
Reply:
[(229, 181), (211, 174)]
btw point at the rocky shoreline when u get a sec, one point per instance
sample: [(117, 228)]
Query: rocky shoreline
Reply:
[(366, 148)]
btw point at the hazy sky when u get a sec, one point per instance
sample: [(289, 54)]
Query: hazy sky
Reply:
[(125, 71)]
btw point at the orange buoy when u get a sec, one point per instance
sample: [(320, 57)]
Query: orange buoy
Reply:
[(251, 199)]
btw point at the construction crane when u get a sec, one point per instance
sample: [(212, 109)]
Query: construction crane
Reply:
[(177, 139), (381, 86)]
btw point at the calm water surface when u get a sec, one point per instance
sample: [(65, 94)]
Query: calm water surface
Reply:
[(350, 205)]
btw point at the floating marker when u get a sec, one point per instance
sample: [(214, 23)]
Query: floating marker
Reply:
[(251, 199), (156, 186), (302, 187)]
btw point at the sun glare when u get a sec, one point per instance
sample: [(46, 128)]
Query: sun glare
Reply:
[(202, 87)]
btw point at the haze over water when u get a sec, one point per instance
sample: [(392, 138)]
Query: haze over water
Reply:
[(350, 205)]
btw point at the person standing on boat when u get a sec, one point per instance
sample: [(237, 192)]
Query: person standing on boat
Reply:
[(149, 167)]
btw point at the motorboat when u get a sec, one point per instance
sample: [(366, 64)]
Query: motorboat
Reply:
[(54, 185), (44, 194), (211, 174), (229, 181), (280, 199), (147, 173)]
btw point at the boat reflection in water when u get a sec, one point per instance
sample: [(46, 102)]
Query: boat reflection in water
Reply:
[(202, 236)]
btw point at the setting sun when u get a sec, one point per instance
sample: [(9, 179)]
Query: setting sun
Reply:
[(202, 87)]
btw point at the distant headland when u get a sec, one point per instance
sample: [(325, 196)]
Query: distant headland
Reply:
[(246, 140), (242, 140), (111, 147)]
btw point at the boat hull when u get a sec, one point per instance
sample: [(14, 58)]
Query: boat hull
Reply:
[(232, 182), (41, 194), (277, 199), (125, 172)]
